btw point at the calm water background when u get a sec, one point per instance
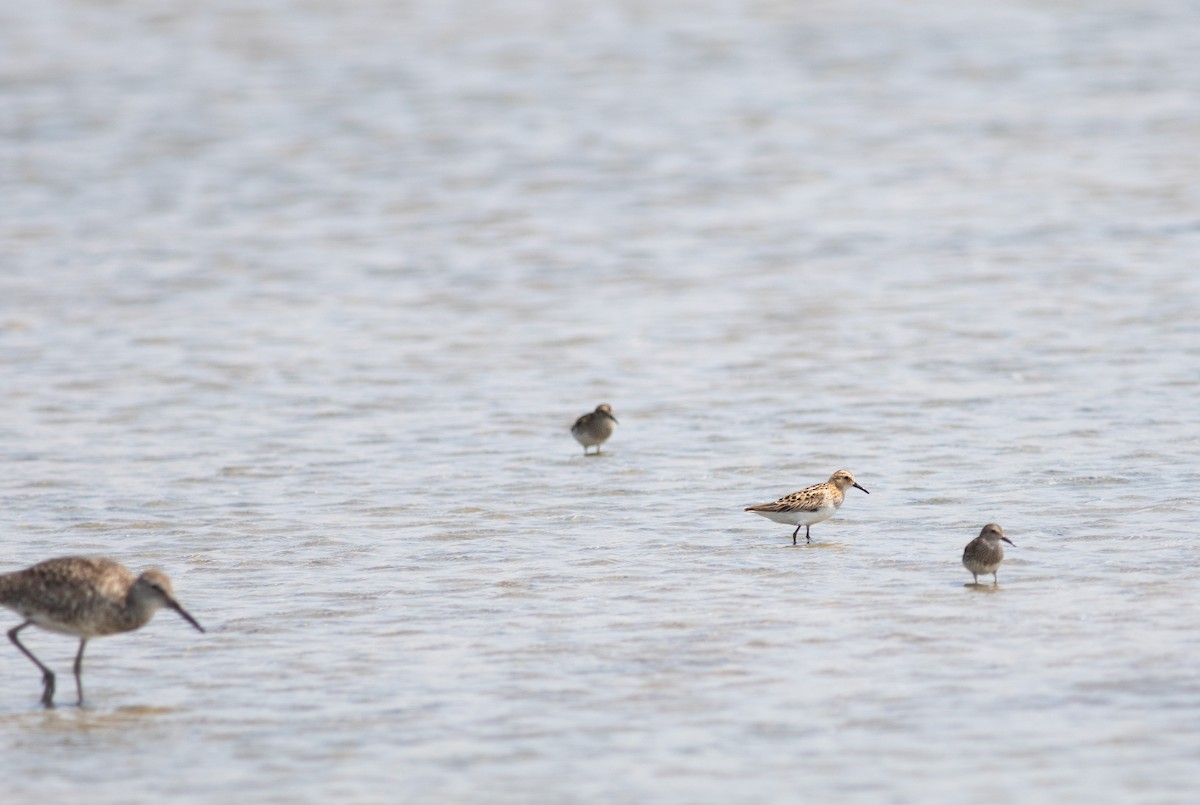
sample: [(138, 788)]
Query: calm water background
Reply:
[(298, 299)]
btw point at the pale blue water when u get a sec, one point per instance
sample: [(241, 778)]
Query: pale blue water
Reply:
[(298, 301)]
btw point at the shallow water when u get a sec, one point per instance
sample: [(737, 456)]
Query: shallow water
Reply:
[(298, 301)]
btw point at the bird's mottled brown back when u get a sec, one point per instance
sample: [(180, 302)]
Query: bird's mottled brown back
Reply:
[(983, 552), (595, 427), (808, 499), (69, 589)]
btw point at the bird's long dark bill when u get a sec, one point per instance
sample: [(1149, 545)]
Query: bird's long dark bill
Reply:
[(613, 418), (183, 612), (856, 486), (1009, 541)]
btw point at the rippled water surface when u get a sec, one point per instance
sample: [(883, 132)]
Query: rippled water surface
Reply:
[(298, 300)]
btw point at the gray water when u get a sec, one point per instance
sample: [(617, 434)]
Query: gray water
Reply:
[(299, 299)]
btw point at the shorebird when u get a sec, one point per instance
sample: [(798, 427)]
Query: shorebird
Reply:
[(810, 505), (594, 428), (85, 598), (985, 553)]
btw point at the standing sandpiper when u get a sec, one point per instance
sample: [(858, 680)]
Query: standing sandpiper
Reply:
[(985, 553), (594, 428), (810, 505), (84, 598)]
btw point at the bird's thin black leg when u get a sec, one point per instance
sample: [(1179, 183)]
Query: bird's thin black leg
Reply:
[(79, 670), (47, 674)]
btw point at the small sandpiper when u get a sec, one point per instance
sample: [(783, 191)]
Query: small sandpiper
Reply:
[(985, 553), (594, 429), (810, 505), (85, 598)]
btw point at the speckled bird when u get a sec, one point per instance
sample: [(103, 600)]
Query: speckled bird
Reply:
[(85, 598), (594, 429), (810, 505), (985, 553)]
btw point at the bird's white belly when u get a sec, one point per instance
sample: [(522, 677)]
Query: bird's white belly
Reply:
[(800, 517), (587, 439), (980, 567), (51, 625)]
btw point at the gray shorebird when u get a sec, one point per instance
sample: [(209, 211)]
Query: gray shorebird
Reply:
[(85, 598), (810, 505), (985, 553), (594, 429)]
